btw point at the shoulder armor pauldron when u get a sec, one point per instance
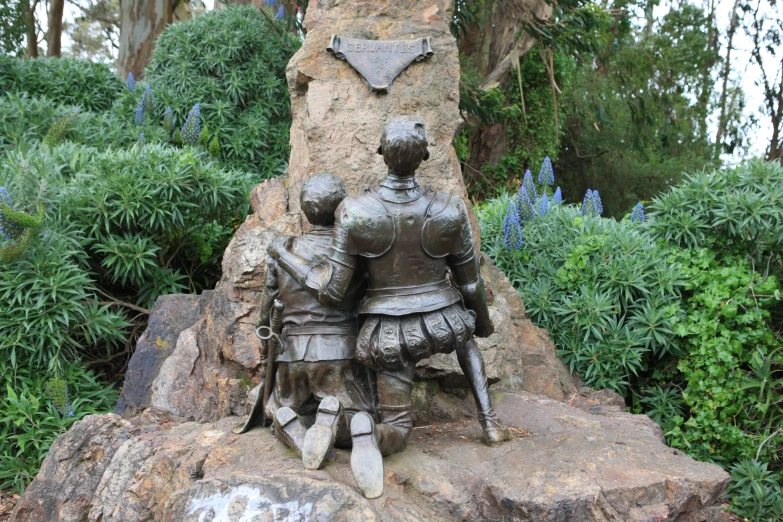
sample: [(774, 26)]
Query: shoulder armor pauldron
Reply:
[(369, 223), (442, 231)]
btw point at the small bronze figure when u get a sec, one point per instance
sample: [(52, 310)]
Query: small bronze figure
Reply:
[(407, 239), (316, 370)]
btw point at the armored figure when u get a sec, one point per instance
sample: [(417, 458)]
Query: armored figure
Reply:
[(316, 371), (407, 239)]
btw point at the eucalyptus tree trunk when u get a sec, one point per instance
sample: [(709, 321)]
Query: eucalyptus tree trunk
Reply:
[(32, 34), (54, 33), (724, 93), (495, 45), (141, 21)]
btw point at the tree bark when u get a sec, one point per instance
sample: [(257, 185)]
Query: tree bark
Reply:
[(772, 79), (723, 118), (490, 45), (32, 35), (141, 21), (54, 33)]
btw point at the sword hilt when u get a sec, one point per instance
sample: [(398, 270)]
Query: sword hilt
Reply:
[(276, 322)]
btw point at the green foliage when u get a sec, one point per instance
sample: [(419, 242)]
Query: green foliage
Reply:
[(93, 86), (152, 220), (100, 214), (730, 371), (13, 26), (25, 120), (231, 62), (35, 408), (688, 330), (532, 134), (743, 207), (755, 493), (605, 290), (636, 116), (51, 312)]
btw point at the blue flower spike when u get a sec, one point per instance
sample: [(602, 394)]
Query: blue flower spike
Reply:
[(168, 119), (558, 197), (191, 129), (280, 13), (131, 82), (138, 119), (546, 176), (512, 231), (147, 103), (543, 205), (637, 215), (524, 204), (587, 203), (529, 186), (598, 206)]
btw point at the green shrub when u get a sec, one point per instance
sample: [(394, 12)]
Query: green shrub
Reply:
[(158, 219), (741, 207), (66, 81), (755, 493), (150, 221), (605, 290), (729, 371), (689, 332), (35, 408), (25, 120), (232, 62), (51, 312)]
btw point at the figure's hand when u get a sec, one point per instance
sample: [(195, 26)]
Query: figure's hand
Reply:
[(484, 330), (279, 244)]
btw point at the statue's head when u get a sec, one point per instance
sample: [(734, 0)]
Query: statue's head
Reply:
[(321, 195), (404, 145)]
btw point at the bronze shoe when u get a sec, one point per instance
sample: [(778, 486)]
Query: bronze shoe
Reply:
[(366, 458), (495, 432), (290, 429), (319, 441)]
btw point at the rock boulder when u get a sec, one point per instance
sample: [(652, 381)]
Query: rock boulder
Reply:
[(565, 464)]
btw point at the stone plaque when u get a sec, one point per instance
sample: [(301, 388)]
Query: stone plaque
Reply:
[(379, 61)]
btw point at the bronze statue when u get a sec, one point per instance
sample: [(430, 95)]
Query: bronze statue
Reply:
[(316, 371), (407, 239)]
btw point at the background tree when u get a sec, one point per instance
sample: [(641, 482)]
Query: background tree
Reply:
[(54, 31), (32, 28), (95, 32), (764, 26), (12, 26), (141, 21)]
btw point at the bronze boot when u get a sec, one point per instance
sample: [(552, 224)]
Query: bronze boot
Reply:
[(319, 441), (366, 459), (290, 429), (472, 364)]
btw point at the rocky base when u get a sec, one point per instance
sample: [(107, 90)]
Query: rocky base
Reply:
[(564, 464)]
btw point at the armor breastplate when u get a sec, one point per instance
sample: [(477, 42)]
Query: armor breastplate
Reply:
[(406, 278)]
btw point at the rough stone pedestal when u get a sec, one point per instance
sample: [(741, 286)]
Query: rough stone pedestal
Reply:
[(564, 465)]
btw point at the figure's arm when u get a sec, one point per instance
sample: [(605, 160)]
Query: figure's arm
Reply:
[(327, 281), (464, 265), (271, 292)]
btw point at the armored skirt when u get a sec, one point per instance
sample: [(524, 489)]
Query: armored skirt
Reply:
[(387, 341)]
